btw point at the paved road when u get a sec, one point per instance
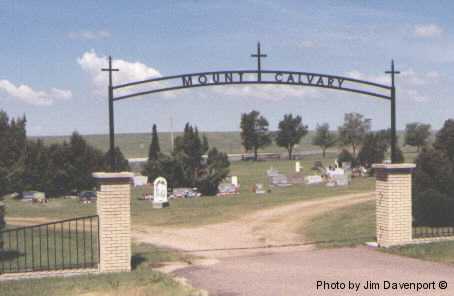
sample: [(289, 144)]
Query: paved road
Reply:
[(296, 272)]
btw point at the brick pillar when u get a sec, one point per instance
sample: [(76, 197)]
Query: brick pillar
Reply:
[(114, 211), (393, 203)]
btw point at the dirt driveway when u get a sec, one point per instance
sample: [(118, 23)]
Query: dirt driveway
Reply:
[(274, 226)]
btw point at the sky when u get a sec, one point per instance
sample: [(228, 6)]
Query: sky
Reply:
[(52, 52)]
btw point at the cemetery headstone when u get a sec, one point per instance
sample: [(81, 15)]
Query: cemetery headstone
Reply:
[(235, 181), (298, 167), (341, 180), (315, 179), (160, 199), (258, 188)]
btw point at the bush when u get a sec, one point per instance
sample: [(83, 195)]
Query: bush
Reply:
[(346, 156), (432, 208), (433, 187), (372, 151)]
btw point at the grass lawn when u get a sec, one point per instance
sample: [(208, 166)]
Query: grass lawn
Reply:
[(142, 281), (355, 225), (439, 251), (343, 227), (205, 210)]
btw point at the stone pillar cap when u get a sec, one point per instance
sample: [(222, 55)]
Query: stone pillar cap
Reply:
[(113, 175), (394, 166)]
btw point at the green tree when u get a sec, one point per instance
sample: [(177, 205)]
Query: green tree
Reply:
[(324, 138), (444, 140), (291, 131), (84, 160), (59, 168), (216, 170), (417, 134), (121, 163), (13, 142), (254, 132), (36, 172), (154, 149), (186, 167), (433, 187), (2, 221), (373, 149), (353, 131)]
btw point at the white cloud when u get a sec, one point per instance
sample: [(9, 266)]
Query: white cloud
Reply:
[(89, 35), (428, 31), (28, 95), (410, 84), (265, 91), (91, 63)]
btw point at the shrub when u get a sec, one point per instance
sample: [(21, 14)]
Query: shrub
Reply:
[(346, 156), (432, 208)]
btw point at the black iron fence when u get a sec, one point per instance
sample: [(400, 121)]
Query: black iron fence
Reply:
[(432, 232), (66, 244)]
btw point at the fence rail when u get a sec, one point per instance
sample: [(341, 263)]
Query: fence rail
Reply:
[(66, 244), (432, 232)]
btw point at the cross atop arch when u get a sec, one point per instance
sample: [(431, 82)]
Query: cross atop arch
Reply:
[(259, 55)]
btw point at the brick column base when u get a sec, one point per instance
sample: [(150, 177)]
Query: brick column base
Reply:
[(393, 204), (114, 211)]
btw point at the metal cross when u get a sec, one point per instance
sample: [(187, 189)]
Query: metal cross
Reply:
[(110, 70), (392, 72), (259, 55)]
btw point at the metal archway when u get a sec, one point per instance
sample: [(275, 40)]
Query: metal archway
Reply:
[(259, 76)]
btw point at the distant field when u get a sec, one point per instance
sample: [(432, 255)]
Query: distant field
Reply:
[(136, 144)]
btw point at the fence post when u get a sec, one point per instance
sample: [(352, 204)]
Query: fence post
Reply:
[(393, 203), (114, 211)]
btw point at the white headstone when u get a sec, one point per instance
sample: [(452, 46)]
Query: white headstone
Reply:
[(315, 179), (235, 181), (298, 167), (140, 180), (160, 191)]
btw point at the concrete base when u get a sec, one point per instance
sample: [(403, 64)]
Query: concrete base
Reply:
[(160, 205)]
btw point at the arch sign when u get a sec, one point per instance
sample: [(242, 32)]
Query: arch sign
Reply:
[(258, 76)]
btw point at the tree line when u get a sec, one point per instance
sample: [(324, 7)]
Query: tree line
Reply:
[(355, 133), (57, 169)]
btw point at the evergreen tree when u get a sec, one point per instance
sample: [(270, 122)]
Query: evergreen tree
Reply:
[(216, 170), (12, 147), (121, 163), (84, 160), (154, 150)]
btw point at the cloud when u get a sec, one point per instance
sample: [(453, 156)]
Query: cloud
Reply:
[(89, 35), (92, 63), (412, 85), (28, 95), (428, 31), (265, 91)]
